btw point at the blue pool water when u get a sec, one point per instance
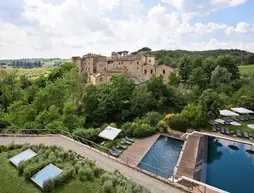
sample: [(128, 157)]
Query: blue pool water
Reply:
[(162, 155), (229, 166), (46, 173)]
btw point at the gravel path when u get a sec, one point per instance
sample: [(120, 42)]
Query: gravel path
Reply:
[(102, 161)]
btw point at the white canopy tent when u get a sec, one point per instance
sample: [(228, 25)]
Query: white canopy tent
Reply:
[(242, 110), (228, 113), (110, 133)]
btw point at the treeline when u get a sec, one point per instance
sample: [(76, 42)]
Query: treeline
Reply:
[(28, 62), (172, 57), (25, 64)]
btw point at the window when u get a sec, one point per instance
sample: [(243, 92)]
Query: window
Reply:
[(130, 62), (163, 72), (100, 79), (121, 62), (151, 71), (104, 68), (145, 71), (137, 62), (137, 68), (150, 61)]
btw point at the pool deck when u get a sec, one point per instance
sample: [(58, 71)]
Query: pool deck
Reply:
[(138, 149), (189, 157)]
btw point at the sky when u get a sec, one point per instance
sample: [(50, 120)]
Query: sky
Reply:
[(65, 28)]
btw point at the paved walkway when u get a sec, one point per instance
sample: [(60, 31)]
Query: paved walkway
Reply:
[(102, 161)]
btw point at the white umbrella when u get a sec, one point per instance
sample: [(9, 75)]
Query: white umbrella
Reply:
[(228, 113), (251, 126), (235, 123)]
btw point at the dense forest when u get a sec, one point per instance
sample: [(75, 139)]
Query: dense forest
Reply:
[(63, 99), (172, 57)]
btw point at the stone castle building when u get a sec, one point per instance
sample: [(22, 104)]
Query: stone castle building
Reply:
[(140, 67)]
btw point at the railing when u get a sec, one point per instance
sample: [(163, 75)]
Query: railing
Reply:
[(91, 144), (201, 187)]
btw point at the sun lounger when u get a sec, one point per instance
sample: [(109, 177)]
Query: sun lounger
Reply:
[(227, 131), (129, 139), (222, 130), (214, 128), (238, 133), (116, 154), (116, 150), (245, 135), (119, 145), (124, 141)]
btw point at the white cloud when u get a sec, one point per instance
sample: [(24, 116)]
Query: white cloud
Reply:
[(241, 28), (194, 8), (74, 27)]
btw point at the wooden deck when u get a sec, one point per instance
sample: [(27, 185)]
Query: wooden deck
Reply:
[(138, 149), (189, 158)]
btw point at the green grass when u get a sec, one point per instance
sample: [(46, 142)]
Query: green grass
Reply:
[(11, 182), (247, 70)]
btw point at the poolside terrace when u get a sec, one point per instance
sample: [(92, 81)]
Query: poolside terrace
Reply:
[(135, 152)]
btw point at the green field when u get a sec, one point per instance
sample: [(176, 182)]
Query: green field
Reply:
[(247, 70), (29, 73)]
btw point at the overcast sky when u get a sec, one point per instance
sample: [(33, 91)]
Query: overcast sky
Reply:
[(64, 28)]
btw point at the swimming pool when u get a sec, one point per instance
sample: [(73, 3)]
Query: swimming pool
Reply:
[(163, 155), (229, 166)]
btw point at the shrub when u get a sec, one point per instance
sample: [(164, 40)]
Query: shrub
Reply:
[(21, 167), (88, 173), (48, 185), (152, 118), (96, 171), (132, 187), (63, 177), (90, 134), (143, 130), (108, 187), (81, 173), (29, 172), (127, 129), (178, 123), (162, 126)]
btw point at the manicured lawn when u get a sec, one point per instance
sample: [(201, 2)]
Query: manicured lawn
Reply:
[(11, 182)]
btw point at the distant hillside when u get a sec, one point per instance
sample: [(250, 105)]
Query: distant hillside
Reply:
[(171, 57)]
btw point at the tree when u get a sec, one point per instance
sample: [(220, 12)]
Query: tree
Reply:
[(141, 101), (145, 49), (220, 75), (229, 63), (210, 103), (185, 67), (194, 115), (174, 80), (209, 65), (250, 59), (198, 77)]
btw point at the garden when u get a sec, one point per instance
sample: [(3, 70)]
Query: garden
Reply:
[(78, 174)]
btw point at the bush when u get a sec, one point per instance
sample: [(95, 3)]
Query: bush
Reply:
[(63, 177), (29, 172), (21, 167), (162, 126), (108, 187), (152, 118), (143, 130), (90, 134), (97, 171), (127, 129), (132, 187), (85, 174), (48, 185), (178, 123)]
